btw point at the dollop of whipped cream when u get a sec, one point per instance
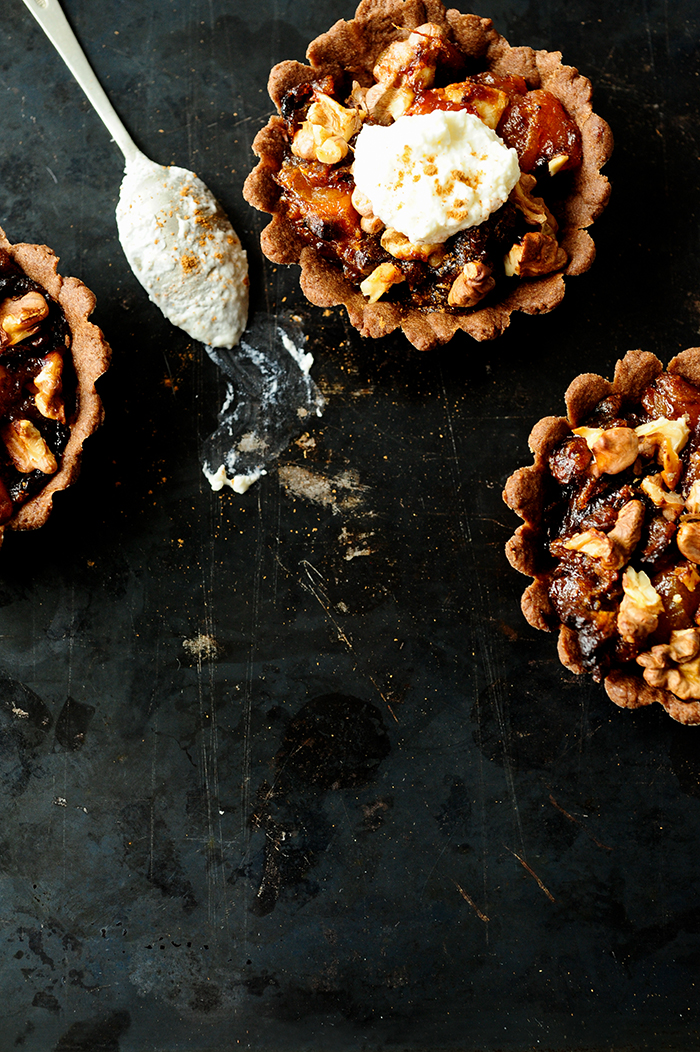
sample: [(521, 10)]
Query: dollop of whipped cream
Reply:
[(433, 174), (184, 251)]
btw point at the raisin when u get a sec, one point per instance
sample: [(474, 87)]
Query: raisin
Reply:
[(680, 603), (672, 396), (570, 459), (607, 413), (657, 536)]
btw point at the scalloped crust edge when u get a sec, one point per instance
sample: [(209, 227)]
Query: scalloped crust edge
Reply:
[(90, 354), (353, 46), (524, 491)]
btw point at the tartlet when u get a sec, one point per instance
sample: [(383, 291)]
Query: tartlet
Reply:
[(398, 59), (51, 355), (611, 531)]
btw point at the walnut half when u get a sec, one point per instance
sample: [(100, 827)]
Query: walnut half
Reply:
[(640, 608), (325, 133), (536, 254), (20, 318), (27, 448), (627, 530), (664, 439), (369, 222), (675, 665), (48, 385), (670, 504), (613, 548), (614, 448), (470, 287), (412, 61), (688, 540), (533, 208)]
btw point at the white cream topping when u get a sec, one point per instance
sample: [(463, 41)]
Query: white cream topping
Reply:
[(184, 251), (239, 483), (431, 175)]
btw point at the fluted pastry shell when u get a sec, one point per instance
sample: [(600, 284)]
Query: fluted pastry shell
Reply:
[(90, 356), (524, 494), (353, 46)]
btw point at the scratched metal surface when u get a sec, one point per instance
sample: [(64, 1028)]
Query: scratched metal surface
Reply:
[(318, 786)]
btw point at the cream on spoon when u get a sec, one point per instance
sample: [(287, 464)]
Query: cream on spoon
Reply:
[(179, 243)]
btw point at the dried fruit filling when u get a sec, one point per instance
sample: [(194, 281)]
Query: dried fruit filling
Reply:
[(36, 383), (420, 75), (622, 522)]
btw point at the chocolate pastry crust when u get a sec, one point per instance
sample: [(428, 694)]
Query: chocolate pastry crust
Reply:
[(87, 355), (351, 48), (609, 514)]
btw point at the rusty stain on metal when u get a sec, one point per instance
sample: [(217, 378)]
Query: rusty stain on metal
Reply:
[(532, 873), (467, 898), (576, 821)]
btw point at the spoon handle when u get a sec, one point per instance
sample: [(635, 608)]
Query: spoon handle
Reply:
[(50, 17)]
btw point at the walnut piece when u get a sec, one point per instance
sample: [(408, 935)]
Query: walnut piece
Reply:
[(48, 385), (314, 143), (27, 448), (470, 287), (640, 608), (411, 61), (400, 247), (670, 504), (325, 133), (684, 681), (627, 530), (536, 254), (675, 665), (557, 163), (488, 103), (692, 501), (684, 644), (665, 439), (597, 545), (380, 281), (20, 318), (613, 549), (533, 208), (687, 575), (334, 117), (361, 203), (369, 222), (615, 449), (331, 150), (392, 64), (386, 104), (688, 540), (406, 67)]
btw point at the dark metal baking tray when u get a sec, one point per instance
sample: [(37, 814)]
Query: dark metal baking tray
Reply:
[(296, 774)]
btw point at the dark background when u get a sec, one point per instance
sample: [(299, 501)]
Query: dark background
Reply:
[(373, 811)]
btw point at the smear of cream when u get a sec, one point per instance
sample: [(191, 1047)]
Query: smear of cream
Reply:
[(269, 396)]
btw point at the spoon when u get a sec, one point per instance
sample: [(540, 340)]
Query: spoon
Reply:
[(176, 238)]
